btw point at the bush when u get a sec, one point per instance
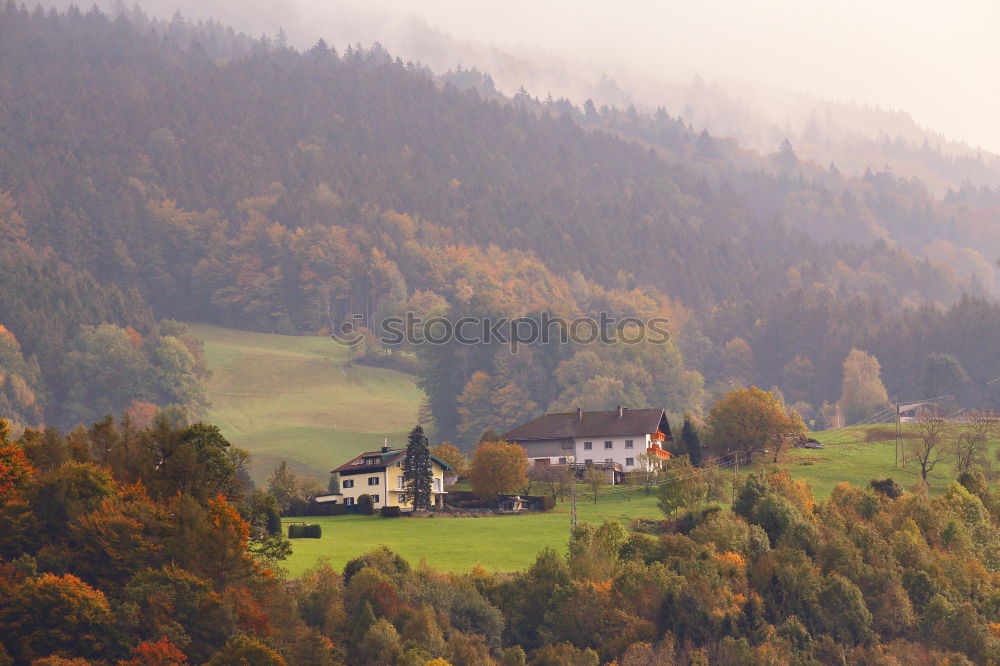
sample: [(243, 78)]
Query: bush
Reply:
[(887, 487), (365, 504), (390, 512), (338, 509), (305, 531), (548, 503)]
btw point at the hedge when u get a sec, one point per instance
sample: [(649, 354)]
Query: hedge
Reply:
[(390, 512), (305, 531)]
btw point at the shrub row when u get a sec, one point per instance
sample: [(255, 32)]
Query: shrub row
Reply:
[(390, 512), (305, 531)]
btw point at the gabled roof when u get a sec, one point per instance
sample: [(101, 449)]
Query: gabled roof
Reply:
[(386, 458), (564, 425), (357, 463)]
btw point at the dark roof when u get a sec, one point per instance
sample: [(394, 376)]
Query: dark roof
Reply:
[(386, 458), (591, 424)]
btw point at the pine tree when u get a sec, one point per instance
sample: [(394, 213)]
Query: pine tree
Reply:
[(691, 442), (417, 473)]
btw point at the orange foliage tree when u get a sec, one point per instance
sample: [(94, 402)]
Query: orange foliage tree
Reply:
[(15, 470), (497, 468)]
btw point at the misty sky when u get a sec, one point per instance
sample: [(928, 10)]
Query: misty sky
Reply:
[(937, 60)]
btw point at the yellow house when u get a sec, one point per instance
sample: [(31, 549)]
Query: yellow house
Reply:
[(380, 474)]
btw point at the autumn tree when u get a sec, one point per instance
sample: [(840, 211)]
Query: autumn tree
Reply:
[(197, 460), (970, 446), (498, 468), (15, 470), (417, 471), (930, 447), (647, 470), (453, 457), (21, 396), (683, 486), (490, 402), (594, 479), (156, 653), (245, 648), (862, 392), (51, 614), (750, 420)]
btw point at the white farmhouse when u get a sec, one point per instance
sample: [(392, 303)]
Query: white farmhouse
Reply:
[(610, 440)]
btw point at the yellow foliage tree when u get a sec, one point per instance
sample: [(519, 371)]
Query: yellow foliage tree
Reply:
[(862, 392), (751, 420)]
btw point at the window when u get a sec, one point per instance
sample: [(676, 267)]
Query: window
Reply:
[(587, 446), (437, 485), (347, 483), (373, 480), (348, 501), (629, 444), (401, 483), (374, 499), (589, 461), (608, 444), (562, 461), (609, 461), (630, 462)]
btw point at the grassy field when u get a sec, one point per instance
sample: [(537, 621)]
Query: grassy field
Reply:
[(858, 455), (299, 399), (498, 543), (507, 543)]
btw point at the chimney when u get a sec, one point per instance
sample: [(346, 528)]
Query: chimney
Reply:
[(621, 412), (579, 414), (385, 446)]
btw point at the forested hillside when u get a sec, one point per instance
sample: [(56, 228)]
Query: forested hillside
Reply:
[(164, 170), (130, 546)]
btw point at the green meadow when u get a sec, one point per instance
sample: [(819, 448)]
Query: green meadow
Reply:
[(298, 398), (498, 543), (508, 543), (861, 453)]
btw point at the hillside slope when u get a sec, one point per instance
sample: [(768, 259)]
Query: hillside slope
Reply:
[(300, 399)]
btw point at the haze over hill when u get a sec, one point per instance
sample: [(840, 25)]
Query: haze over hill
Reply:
[(823, 77), (165, 169)]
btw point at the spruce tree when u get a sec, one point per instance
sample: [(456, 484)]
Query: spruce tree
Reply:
[(691, 442), (417, 472)]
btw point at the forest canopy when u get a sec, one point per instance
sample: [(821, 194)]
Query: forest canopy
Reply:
[(159, 169)]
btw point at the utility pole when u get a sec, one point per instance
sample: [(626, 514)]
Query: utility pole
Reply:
[(899, 435), (572, 494), (736, 476)]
